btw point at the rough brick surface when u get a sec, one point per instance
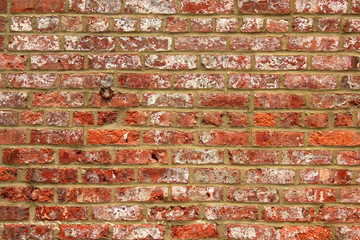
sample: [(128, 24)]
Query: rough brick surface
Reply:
[(179, 119)]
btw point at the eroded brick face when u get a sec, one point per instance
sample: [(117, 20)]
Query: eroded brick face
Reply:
[(179, 119)]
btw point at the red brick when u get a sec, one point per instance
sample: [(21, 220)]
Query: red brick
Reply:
[(47, 24), (350, 82), (230, 213), (117, 213), (255, 43), (236, 119), (265, 119), (141, 194), (114, 137), (349, 195), (302, 24), (207, 7), (12, 136), (150, 24), (57, 213), (288, 214), (302, 81), (84, 195), (58, 99), (224, 100), (52, 136), (57, 62), (199, 81), (334, 101), (98, 24), (163, 175), (57, 118), (12, 62), (266, 7), (277, 25), (352, 25), (117, 100), (83, 119), (73, 232), (270, 176), (195, 231), (114, 61), (176, 24), (86, 80), (3, 6), (34, 43), (326, 176), (290, 119), (313, 43), (8, 174), (9, 118), (108, 176), (347, 232), (147, 6), (335, 63), (317, 120), (140, 231), (348, 158), (173, 213), (278, 139), (32, 118), (13, 99), (252, 24), (200, 43), (307, 157), (72, 24), (168, 137), (14, 213), (198, 193), (268, 62), (231, 62), (320, 6), (334, 138), (197, 156), (27, 194), (51, 175), (222, 138), (343, 120), (329, 24), (38, 6), (144, 80), (254, 81), (20, 24), (276, 100), (135, 118), (339, 214), (142, 156), (170, 62), (31, 80), (125, 24), (68, 156), (186, 119), (253, 157), (181, 100), (107, 117), (217, 175), (305, 232), (147, 44), (250, 232), (161, 118), (310, 195), (93, 6), (253, 195), (27, 232), (227, 25), (28, 156), (201, 25), (213, 118)]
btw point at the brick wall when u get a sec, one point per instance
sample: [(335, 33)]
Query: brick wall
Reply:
[(179, 119)]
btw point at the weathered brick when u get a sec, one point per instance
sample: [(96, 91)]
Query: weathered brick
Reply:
[(231, 62), (222, 100), (198, 193), (251, 232), (253, 157), (72, 232), (334, 138), (147, 44), (307, 157), (305, 232), (140, 231), (143, 156), (38, 6), (148, 6), (94, 6), (84, 195), (34, 43), (335, 63), (168, 137), (16, 231), (163, 175), (288, 214), (230, 213), (68, 156), (195, 231), (253, 195), (200, 43), (221, 138), (326, 176), (310, 195), (347, 232), (57, 62), (217, 175), (57, 213), (170, 62), (173, 213), (270, 176), (255, 43), (114, 137), (207, 7), (117, 213), (141, 194), (27, 194), (114, 61), (348, 158), (339, 214), (278, 139), (59, 137), (320, 6), (267, 7), (303, 81), (28, 156), (31, 80), (51, 175), (267, 62)]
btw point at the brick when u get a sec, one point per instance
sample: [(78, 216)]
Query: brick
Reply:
[(28, 156), (107, 117), (352, 43), (253, 195), (343, 120), (170, 62), (268, 7), (3, 6), (57, 213), (302, 24), (223, 100), (255, 43), (147, 6), (13, 231), (334, 138), (199, 81), (168, 137), (195, 231), (150, 24), (8, 174), (349, 195), (227, 25), (265, 119), (253, 157), (252, 24), (348, 158), (98, 24), (57, 118), (117, 213), (291, 119), (51, 175), (38, 6), (212, 118), (12, 136), (215, 175), (179, 100), (231, 62), (58, 99), (335, 63), (201, 25), (27, 194), (320, 6), (12, 62), (83, 195), (307, 157), (32, 118), (141, 194), (310, 195), (236, 119), (173, 213), (117, 100), (135, 118), (140, 231), (176, 24), (147, 44), (20, 24), (68, 156), (267, 62), (114, 61), (200, 43), (350, 82), (254, 81), (161, 118), (198, 193), (163, 175), (288, 214), (108, 176), (326, 176), (222, 138), (72, 232), (14, 213), (312, 43), (329, 24), (251, 232), (146, 80), (303, 81), (13, 99), (334, 101), (317, 120), (47, 24), (58, 137), (186, 119), (278, 139), (72, 24), (352, 25), (86, 80), (347, 232), (31, 80), (339, 214), (230, 213), (277, 25), (276, 100), (270, 176), (9, 118), (34, 43), (57, 62), (125, 24), (305, 232), (89, 43), (143, 156), (113, 137), (93, 6), (197, 156), (207, 7)]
